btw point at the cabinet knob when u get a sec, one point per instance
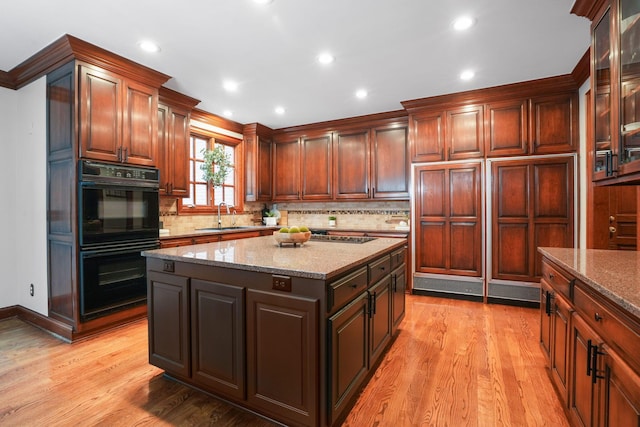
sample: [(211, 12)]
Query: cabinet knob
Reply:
[(597, 317), (612, 229)]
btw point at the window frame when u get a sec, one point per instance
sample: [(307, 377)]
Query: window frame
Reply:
[(212, 139)]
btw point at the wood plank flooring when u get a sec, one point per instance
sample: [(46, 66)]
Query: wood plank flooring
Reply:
[(454, 363)]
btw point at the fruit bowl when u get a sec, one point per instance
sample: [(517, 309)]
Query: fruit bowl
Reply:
[(295, 238)]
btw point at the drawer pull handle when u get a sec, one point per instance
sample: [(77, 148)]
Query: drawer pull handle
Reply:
[(551, 276), (597, 317)]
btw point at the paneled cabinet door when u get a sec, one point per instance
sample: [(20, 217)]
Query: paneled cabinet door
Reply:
[(316, 152), (100, 115), (173, 149), (398, 285), (427, 136), (449, 215), (560, 323), (286, 170), (168, 310), (546, 303), (351, 164), (554, 123), (583, 391), (464, 134), (620, 399), (380, 317), (257, 163), (348, 352), (140, 125), (390, 163), (282, 356), (532, 206), (506, 133), (217, 330)]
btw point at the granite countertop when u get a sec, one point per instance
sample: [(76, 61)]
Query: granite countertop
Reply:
[(614, 274), (213, 230), (314, 259)]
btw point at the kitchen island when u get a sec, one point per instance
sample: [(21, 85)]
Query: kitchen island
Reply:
[(291, 333)]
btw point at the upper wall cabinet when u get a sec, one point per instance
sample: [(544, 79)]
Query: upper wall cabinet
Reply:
[(615, 84), (316, 165), (174, 114), (118, 118), (537, 117), (390, 162), (286, 169), (258, 162)]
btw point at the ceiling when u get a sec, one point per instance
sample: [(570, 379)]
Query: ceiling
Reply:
[(395, 49)]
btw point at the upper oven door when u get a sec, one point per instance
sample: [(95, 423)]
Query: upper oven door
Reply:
[(114, 213)]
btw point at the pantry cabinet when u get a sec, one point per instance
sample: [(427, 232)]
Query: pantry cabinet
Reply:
[(118, 118)]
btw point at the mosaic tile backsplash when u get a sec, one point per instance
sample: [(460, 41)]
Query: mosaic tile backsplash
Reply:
[(352, 215)]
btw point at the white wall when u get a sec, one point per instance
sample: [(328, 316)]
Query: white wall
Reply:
[(8, 293), (23, 255), (583, 185)]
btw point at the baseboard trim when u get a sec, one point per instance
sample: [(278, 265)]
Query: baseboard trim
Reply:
[(47, 324)]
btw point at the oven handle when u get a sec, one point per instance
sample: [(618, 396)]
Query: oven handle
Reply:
[(116, 250), (120, 185)]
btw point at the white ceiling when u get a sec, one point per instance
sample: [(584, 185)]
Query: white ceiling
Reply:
[(396, 49)]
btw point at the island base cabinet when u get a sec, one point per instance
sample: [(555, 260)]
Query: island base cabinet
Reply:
[(217, 331), (282, 356), (168, 310), (380, 314), (398, 286), (620, 405), (348, 350)]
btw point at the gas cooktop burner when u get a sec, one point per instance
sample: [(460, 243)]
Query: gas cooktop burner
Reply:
[(341, 239)]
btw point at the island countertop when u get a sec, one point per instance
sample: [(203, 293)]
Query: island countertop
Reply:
[(314, 259), (614, 274)]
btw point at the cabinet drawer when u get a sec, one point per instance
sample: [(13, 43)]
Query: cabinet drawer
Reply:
[(398, 258), (379, 268), (556, 279), (343, 290), (609, 325)]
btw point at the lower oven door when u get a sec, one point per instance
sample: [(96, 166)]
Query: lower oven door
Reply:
[(112, 279)]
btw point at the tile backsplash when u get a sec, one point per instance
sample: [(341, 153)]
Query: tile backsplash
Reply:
[(357, 215)]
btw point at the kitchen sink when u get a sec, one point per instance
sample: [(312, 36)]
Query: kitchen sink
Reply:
[(223, 228)]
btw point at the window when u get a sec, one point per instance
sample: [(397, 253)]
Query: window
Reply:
[(203, 197)]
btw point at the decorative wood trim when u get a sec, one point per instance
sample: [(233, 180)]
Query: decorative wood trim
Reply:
[(258, 129), (5, 80), (539, 87), (176, 98), (582, 69), (68, 48), (587, 8), (38, 320), (358, 121), (215, 120)]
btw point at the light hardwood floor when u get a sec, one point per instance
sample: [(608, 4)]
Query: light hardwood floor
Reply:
[(454, 363)]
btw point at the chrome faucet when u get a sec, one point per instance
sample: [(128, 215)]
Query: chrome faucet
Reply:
[(219, 218), (233, 217)]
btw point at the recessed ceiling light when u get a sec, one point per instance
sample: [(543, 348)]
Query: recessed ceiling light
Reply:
[(227, 113), (463, 23), (149, 46), (262, 1), (280, 110), (325, 58), (361, 94), (230, 86), (467, 75)]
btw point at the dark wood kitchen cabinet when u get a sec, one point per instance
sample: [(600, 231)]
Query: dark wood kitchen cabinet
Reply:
[(506, 133), (258, 164), (532, 205), (286, 169), (594, 349), (449, 219), (453, 134), (217, 336), (352, 164), (282, 355), (554, 123), (97, 104), (317, 166), (118, 118), (169, 342), (174, 115)]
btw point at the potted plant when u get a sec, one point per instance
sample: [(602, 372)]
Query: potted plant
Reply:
[(216, 165), (332, 221), (270, 218)]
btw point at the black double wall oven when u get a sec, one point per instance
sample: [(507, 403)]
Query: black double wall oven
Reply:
[(118, 218)]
